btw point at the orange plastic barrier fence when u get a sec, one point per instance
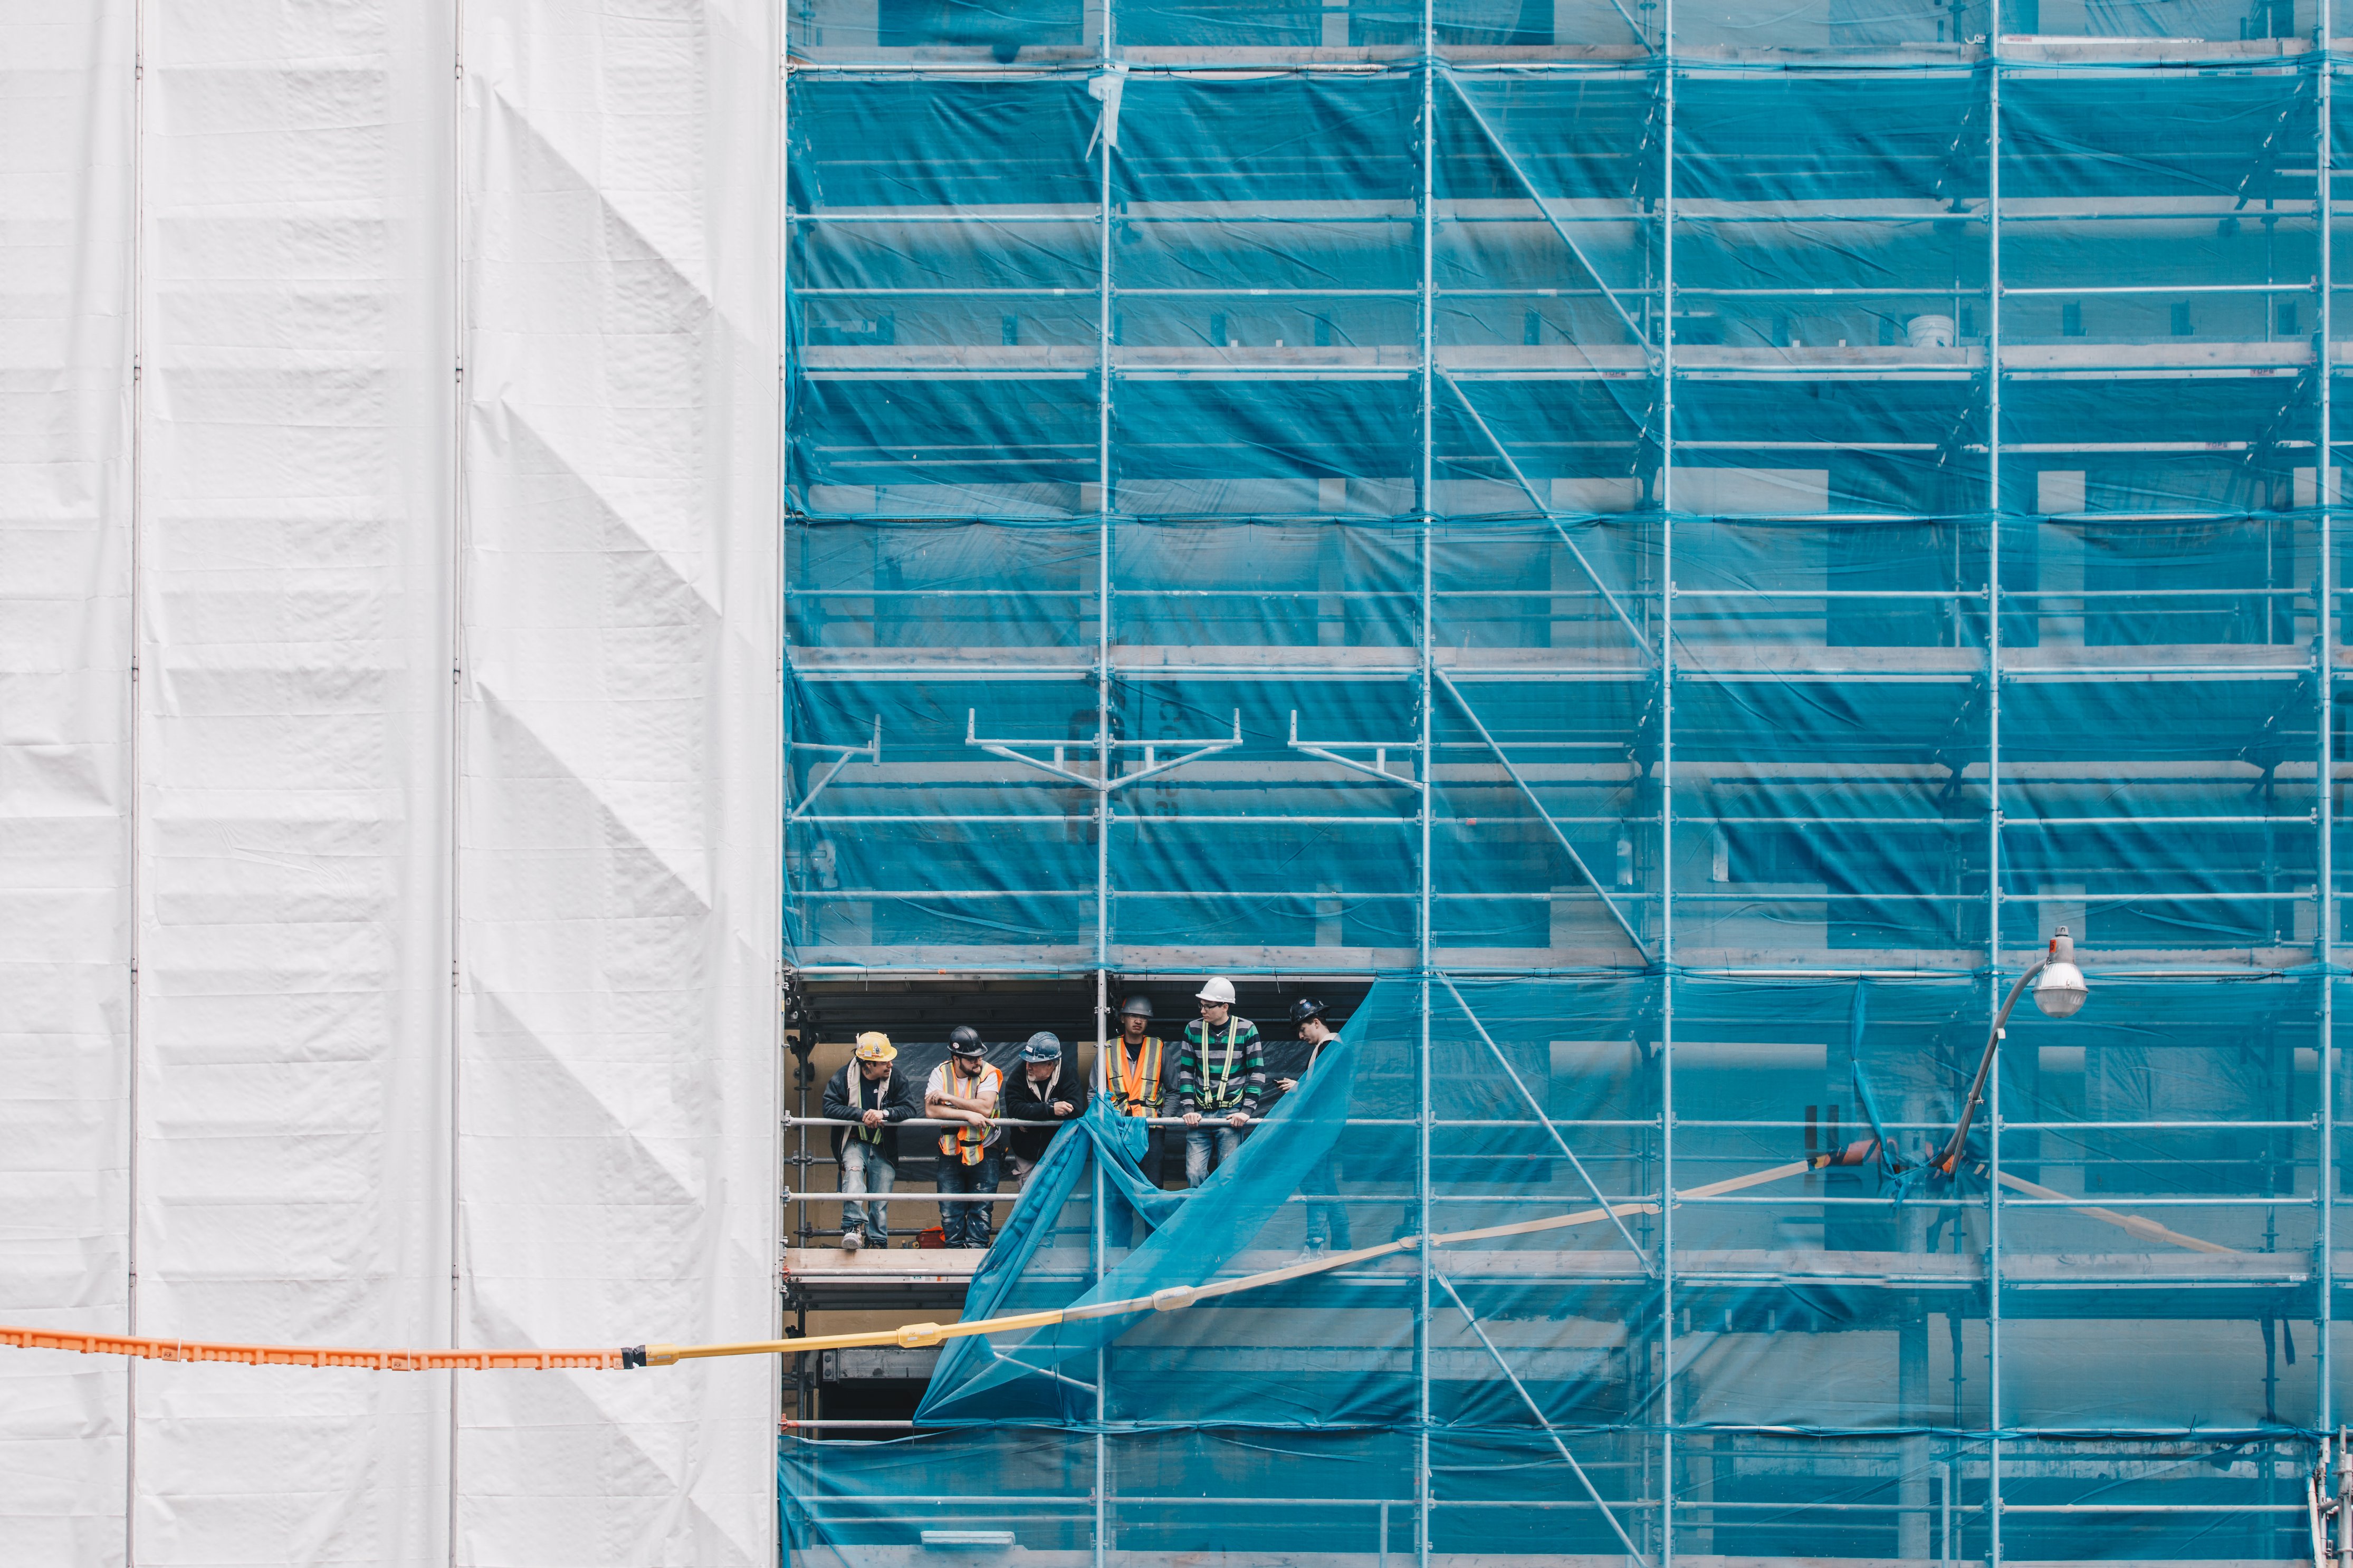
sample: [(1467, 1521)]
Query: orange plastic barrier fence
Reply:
[(312, 1355)]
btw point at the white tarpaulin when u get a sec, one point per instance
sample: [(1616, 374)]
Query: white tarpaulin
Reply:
[(390, 959)]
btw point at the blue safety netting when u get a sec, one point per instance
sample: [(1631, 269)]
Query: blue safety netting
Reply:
[(1842, 1361), (1089, 458), (1697, 537)]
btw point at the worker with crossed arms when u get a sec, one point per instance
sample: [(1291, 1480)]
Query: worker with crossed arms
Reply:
[(966, 1088), (1220, 1072)]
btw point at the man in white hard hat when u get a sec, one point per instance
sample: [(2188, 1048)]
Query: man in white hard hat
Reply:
[(1220, 1073)]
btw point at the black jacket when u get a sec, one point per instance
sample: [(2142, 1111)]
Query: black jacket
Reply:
[(899, 1099), (1291, 1058), (1023, 1102)]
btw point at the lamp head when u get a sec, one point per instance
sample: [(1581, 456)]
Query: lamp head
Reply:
[(2060, 990)]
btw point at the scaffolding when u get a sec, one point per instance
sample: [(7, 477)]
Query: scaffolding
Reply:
[(1682, 542)]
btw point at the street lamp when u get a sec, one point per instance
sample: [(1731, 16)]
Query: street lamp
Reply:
[(2059, 991)]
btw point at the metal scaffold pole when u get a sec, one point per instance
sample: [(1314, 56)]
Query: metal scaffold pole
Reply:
[(1664, 336), (1426, 504), (1995, 514), (2324, 941), (1103, 1486)]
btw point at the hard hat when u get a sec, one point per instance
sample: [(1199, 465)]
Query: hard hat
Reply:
[(964, 1040), (1137, 1006), (874, 1046), (1042, 1047), (1305, 1009), (1219, 989)]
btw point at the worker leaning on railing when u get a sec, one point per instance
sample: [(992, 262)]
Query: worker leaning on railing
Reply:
[(966, 1088), (872, 1093), (1042, 1096), (1140, 1077), (1222, 1073)]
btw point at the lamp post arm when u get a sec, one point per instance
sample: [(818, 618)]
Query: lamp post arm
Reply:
[(1951, 1155)]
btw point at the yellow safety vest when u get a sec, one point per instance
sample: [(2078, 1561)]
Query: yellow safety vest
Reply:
[(858, 1103), (1218, 1090)]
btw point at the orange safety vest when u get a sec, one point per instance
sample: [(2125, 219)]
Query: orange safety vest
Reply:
[(1139, 1088), (967, 1144)]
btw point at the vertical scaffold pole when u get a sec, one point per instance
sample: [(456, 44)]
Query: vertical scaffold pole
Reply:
[(1102, 763), (1424, 943), (777, 1057), (1665, 333), (1993, 793), (1103, 1353), (1103, 552), (2323, 943)]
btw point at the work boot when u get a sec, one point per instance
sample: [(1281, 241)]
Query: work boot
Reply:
[(851, 1240)]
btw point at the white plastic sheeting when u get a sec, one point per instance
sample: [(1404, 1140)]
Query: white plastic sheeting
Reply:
[(65, 706), (440, 821)]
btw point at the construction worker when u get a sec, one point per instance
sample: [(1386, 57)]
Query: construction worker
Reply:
[(1327, 1223), (870, 1092), (1040, 1100), (1220, 1072), (966, 1088), (1137, 1073)]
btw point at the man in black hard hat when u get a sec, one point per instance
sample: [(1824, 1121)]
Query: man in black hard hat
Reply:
[(1327, 1223), (966, 1088)]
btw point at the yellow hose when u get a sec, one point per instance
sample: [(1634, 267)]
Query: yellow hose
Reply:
[(916, 1336)]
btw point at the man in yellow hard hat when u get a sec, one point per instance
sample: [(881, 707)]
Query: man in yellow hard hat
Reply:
[(873, 1097)]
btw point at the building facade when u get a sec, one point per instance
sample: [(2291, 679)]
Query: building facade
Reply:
[(1661, 550)]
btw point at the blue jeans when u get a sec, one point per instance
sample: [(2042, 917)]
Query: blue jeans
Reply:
[(1327, 1224), (865, 1170), (1197, 1147), (967, 1224)]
